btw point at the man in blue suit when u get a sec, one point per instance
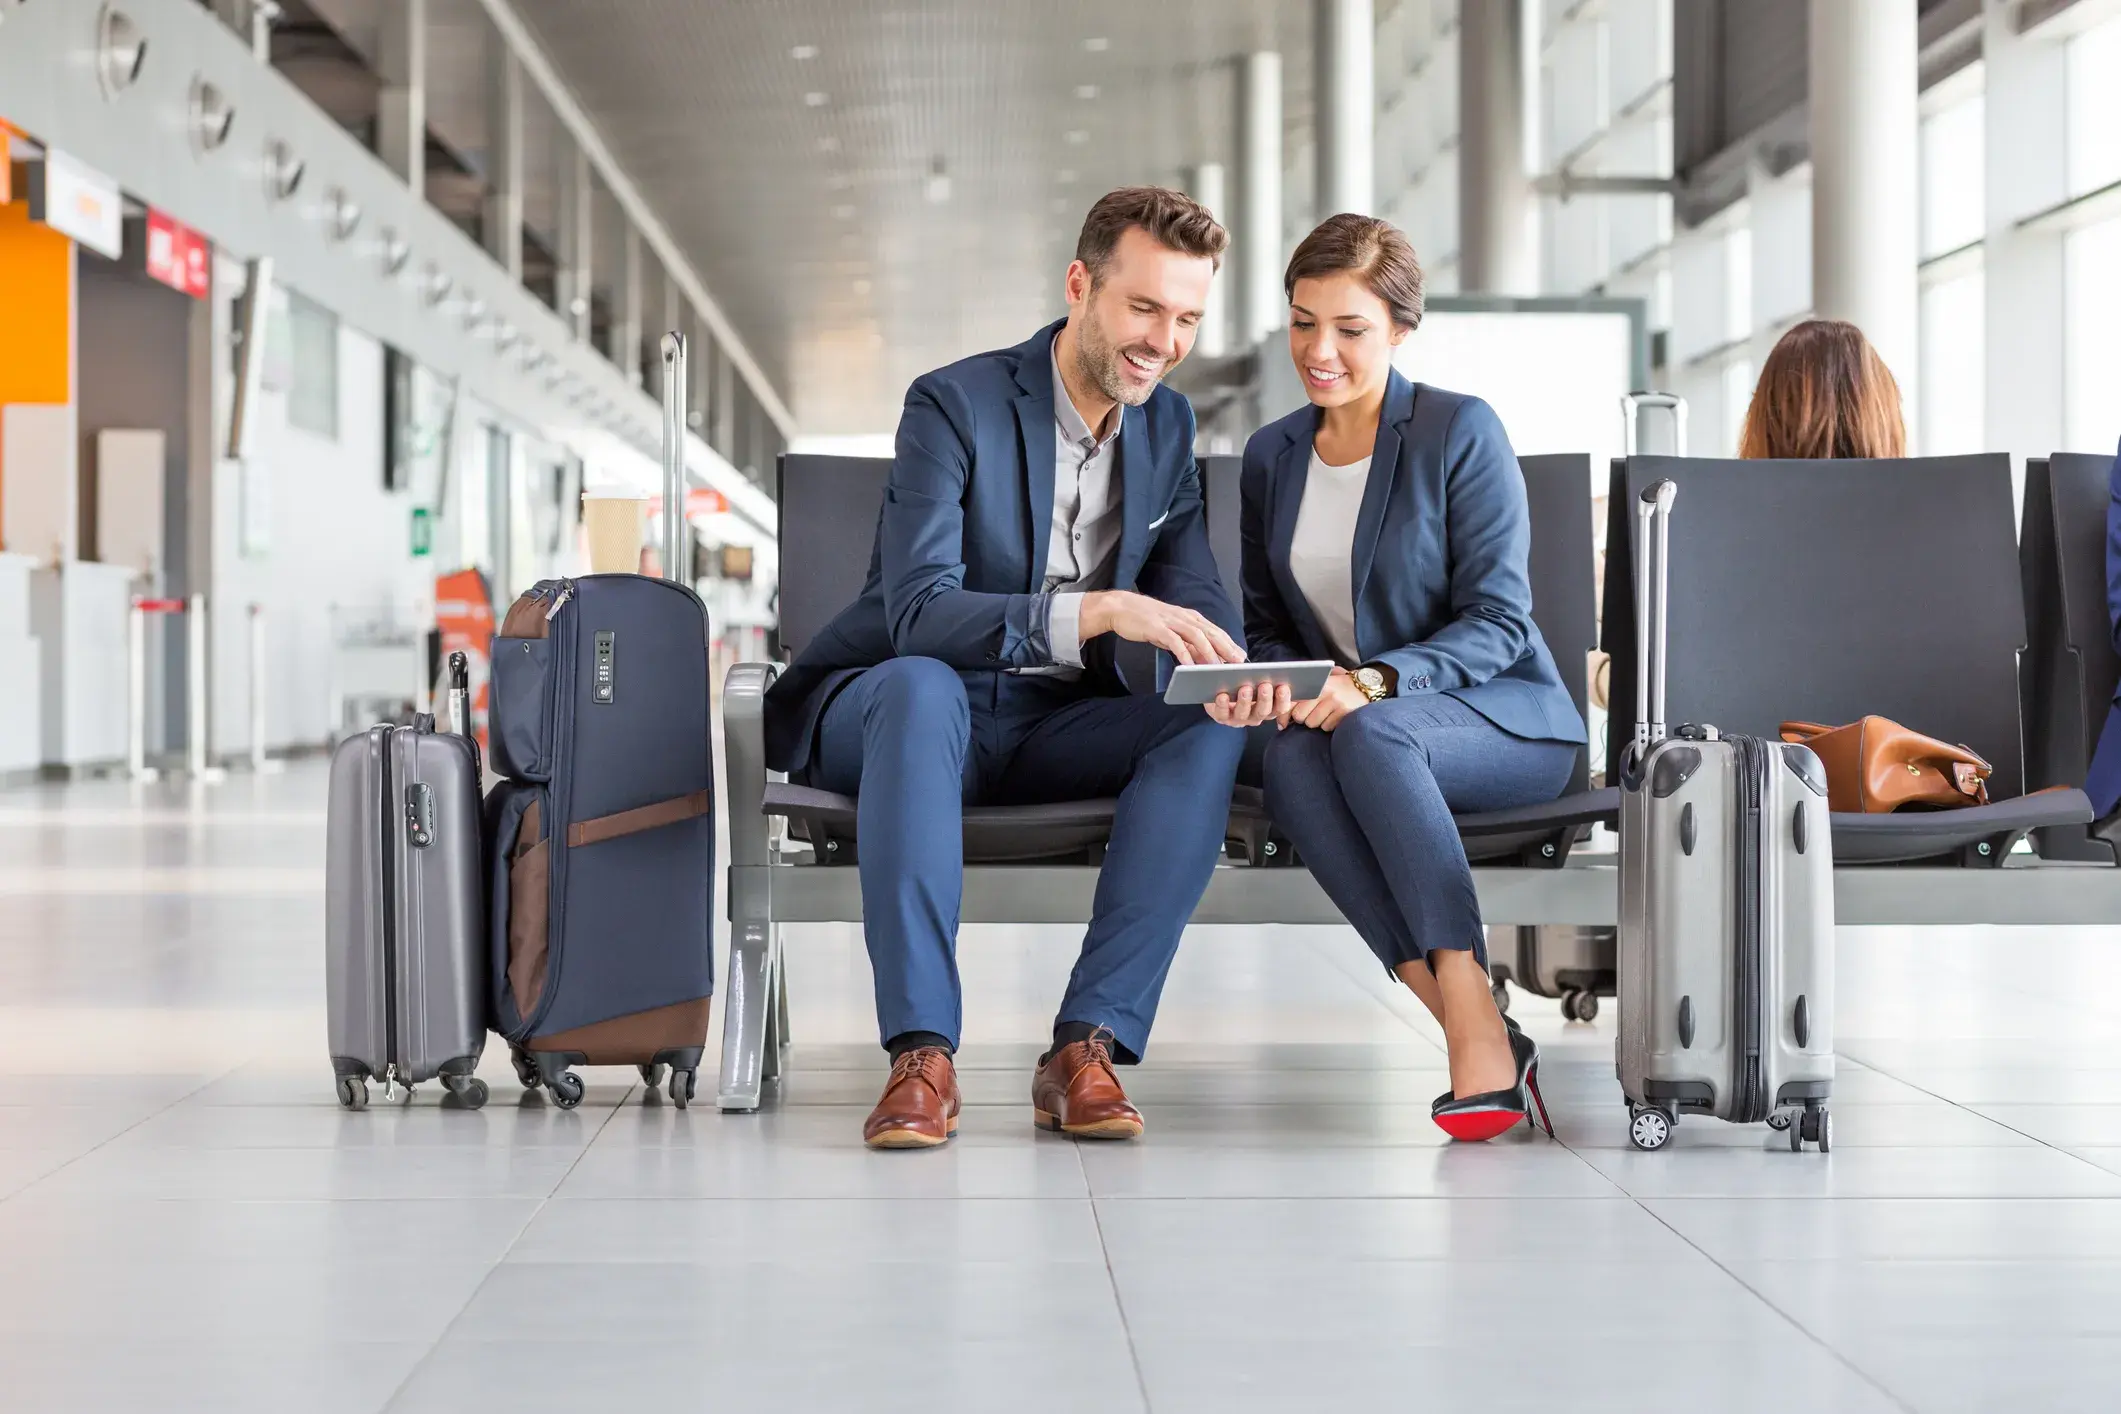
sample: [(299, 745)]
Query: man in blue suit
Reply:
[(2103, 781), (1043, 505)]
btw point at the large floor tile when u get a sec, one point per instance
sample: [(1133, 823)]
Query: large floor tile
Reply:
[(325, 1126), (233, 1303), (1535, 1373), (850, 1231), (1041, 1166), (1682, 1171), (2065, 1126), (919, 1371), (1913, 1230), (1956, 1374), (1280, 1231), (420, 1171), (1527, 1166), (198, 1233), (348, 1373), (1851, 1300)]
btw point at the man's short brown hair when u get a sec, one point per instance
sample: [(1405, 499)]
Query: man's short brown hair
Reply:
[(1170, 218)]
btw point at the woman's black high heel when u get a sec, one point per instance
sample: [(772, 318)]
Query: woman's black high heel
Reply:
[(1479, 1117)]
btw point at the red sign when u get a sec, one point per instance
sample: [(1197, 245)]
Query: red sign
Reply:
[(704, 501), (178, 256)]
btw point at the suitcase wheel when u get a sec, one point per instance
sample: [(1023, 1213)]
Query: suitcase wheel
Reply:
[(526, 1068), (1579, 1004), (1648, 1127), (353, 1092), (1502, 996), (566, 1090), (652, 1075), (469, 1090), (683, 1083), (1817, 1127), (1780, 1119)]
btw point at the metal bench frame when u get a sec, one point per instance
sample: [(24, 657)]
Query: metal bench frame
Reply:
[(770, 886)]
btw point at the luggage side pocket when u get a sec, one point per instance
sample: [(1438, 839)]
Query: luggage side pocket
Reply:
[(529, 911), (522, 683)]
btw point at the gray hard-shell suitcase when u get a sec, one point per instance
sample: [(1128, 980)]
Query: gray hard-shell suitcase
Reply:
[(1726, 908), (405, 917)]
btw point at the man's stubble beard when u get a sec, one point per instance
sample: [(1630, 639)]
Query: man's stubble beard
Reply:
[(1097, 360)]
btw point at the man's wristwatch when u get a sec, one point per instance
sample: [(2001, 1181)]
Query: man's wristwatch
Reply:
[(1370, 682)]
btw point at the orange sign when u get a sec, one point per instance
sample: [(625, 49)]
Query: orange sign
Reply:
[(7, 165), (464, 617), (704, 501)]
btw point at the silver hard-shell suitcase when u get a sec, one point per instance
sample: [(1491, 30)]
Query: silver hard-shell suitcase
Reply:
[(405, 935), (1726, 948), (1570, 961)]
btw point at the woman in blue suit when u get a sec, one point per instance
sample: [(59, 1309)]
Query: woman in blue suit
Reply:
[(1385, 527)]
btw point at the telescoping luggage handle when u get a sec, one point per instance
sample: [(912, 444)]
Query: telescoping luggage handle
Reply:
[(459, 694), (1632, 406), (676, 534), (1653, 514)]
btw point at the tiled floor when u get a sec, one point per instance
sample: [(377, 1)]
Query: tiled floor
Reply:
[(187, 1222)]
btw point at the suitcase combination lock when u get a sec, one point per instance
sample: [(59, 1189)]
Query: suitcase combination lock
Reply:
[(420, 815)]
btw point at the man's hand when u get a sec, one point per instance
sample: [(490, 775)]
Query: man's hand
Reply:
[(1185, 635), (1340, 697), (1251, 706)]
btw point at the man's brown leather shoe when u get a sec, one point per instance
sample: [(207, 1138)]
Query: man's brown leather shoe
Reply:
[(920, 1103), (1077, 1092)]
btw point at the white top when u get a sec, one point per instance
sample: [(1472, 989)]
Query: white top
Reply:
[(1321, 551), (1084, 539)]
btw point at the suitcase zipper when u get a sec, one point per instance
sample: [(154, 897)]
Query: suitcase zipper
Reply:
[(1752, 758), (389, 910), (559, 790)]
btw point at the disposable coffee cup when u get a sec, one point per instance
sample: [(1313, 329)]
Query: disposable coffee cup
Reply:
[(616, 520)]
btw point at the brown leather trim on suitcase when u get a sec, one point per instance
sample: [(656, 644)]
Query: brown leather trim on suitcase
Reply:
[(529, 912), (636, 1038), (526, 619), (644, 817)]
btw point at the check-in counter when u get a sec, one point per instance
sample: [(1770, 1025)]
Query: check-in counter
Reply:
[(78, 616), (21, 672)]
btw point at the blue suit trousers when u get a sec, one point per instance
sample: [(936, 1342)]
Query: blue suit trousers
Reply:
[(916, 740)]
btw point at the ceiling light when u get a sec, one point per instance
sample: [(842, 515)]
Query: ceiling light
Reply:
[(803, 52), (396, 251), (1076, 137), (843, 213), (814, 99), (850, 241), (838, 181), (1066, 176), (578, 305), (475, 315), (1086, 91), (283, 170), (1097, 45), (437, 284), (120, 50), (828, 143), (211, 116), (343, 212), (937, 189), (862, 287)]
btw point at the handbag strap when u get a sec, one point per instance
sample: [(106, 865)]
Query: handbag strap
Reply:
[(643, 817)]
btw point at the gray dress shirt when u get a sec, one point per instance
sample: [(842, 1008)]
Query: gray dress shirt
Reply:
[(1086, 521)]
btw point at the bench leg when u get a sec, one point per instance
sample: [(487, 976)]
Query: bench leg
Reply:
[(749, 1015)]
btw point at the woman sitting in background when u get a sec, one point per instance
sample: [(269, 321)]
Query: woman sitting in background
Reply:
[(1824, 392), (1385, 528)]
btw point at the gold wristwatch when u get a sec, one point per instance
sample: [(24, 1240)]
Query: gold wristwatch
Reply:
[(1370, 682)]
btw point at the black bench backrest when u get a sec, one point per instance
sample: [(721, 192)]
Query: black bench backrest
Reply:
[(829, 509), (2070, 668), (1829, 590)]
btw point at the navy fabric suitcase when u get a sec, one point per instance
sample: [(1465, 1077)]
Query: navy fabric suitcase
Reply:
[(602, 832)]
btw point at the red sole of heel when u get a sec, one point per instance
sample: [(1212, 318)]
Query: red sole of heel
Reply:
[(1478, 1127)]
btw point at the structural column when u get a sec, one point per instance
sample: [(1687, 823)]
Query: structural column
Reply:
[(1256, 257), (401, 106), (504, 161), (576, 277), (1346, 104), (626, 330), (1865, 241), (1205, 184), (1498, 250)]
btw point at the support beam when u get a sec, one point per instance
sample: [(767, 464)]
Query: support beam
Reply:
[(626, 328), (1498, 247), (576, 275), (1256, 237), (1863, 132), (504, 161), (1205, 184), (1346, 106), (724, 438), (401, 106)]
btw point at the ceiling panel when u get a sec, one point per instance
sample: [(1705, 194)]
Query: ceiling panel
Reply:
[(788, 148)]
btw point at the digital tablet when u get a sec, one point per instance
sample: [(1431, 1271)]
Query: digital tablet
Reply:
[(1199, 684)]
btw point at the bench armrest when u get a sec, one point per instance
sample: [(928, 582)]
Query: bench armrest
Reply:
[(744, 747)]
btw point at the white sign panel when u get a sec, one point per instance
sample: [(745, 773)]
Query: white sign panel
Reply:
[(79, 202)]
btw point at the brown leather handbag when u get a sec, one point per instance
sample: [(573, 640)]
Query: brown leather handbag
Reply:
[(1877, 766)]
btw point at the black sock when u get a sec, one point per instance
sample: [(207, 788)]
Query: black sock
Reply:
[(913, 1040), (1067, 1033)]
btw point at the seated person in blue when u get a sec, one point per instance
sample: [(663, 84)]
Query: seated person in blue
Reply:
[(1043, 504), (1385, 527), (2103, 781)]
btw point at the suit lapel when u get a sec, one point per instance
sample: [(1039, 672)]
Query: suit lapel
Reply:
[(1377, 488), (1291, 473), (1036, 431)]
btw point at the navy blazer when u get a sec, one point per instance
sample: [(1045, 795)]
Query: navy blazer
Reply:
[(959, 566), (2103, 781), (1442, 591)]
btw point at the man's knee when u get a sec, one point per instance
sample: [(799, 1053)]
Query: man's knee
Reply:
[(916, 694), (1202, 737)]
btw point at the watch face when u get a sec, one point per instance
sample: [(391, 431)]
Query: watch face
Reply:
[(1369, 677)]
